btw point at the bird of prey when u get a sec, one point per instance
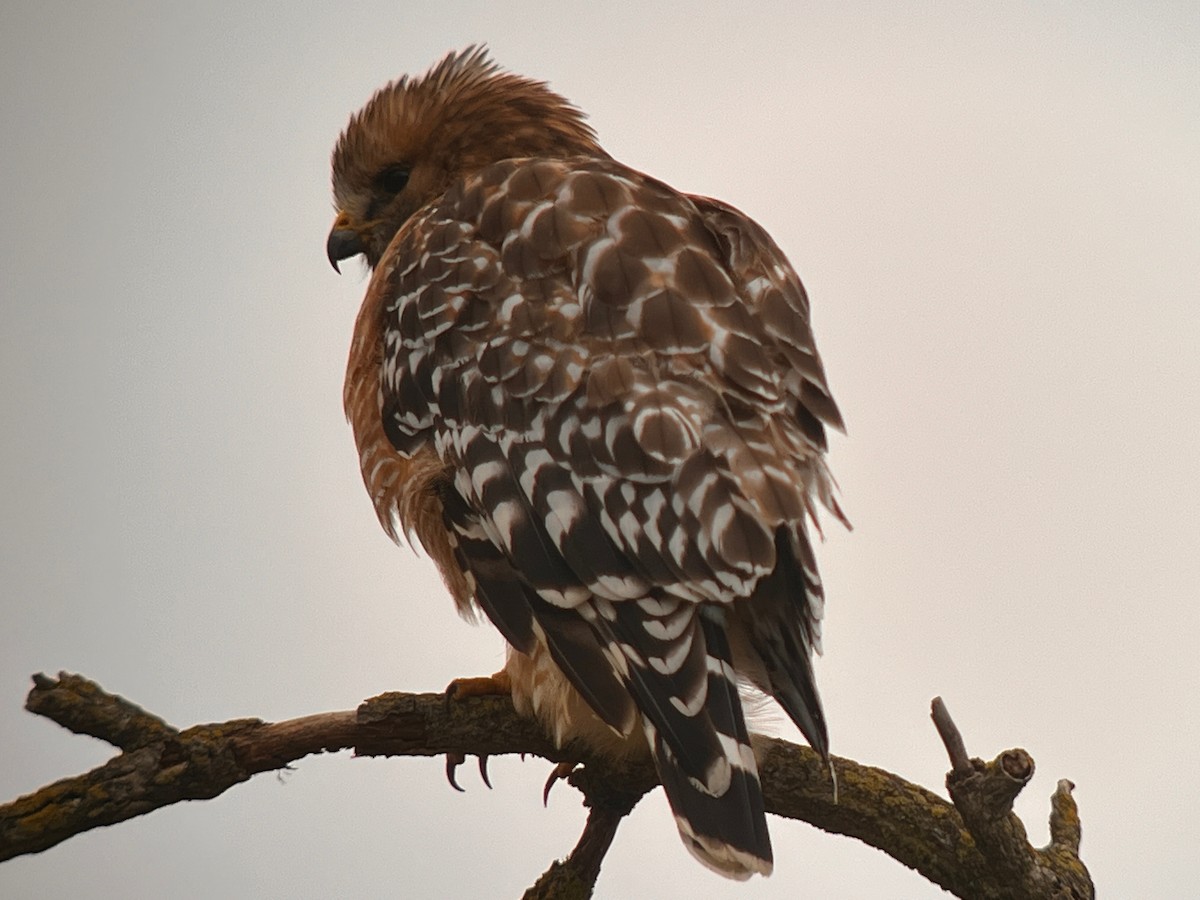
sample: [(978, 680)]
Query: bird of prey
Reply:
[(597, 403)]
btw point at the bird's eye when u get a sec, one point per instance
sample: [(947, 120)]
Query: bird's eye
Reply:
[(392, 179)]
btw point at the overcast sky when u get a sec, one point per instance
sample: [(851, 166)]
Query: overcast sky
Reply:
[(996, 210)]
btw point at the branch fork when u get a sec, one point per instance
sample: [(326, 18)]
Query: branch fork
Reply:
[(983, 793)]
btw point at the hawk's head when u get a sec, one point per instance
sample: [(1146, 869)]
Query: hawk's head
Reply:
[(418, 136)]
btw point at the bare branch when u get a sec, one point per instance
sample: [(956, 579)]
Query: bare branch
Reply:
[(1065, 830), (955, 746), (83, 707), (973, 848), (610, 800), (983, 793)]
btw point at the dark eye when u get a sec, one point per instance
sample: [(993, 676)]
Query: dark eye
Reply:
[(392, 179)]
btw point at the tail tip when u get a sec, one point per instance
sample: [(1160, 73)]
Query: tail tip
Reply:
[(726, 860)]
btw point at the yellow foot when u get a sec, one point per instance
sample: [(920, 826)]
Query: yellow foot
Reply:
[(498, 685)]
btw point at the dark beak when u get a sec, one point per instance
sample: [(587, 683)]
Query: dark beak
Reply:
[(343, 242)]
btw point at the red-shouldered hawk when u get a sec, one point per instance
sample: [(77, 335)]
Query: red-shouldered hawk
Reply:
[(597, 402)]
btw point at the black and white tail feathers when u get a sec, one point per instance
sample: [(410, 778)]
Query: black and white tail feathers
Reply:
[(676, 660), (671, 660), (725, 829)]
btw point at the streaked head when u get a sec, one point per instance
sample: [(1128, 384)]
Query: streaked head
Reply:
[(417, 136)]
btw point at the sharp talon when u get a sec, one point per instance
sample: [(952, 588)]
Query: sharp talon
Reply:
[(453, 761), (558, 773), (483, 773)]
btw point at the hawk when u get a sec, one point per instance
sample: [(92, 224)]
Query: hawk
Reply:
[(597, 403)]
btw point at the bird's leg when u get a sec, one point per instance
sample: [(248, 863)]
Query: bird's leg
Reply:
[(498, 685)]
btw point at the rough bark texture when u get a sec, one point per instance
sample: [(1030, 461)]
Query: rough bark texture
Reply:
[(974, 848)]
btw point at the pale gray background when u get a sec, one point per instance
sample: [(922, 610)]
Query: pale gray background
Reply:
[(996, 209)]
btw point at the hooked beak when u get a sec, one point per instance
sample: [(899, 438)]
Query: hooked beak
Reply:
[(343, 242)]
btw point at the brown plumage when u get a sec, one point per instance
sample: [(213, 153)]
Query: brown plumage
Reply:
[(597, 403)]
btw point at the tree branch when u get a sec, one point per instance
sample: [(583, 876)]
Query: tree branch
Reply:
[(983, 793), (975, 848), (610, 799)]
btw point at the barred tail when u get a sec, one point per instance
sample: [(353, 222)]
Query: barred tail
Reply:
[(728, 834), (726, 831)]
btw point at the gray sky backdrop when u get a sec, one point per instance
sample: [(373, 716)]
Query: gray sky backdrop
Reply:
[(996, 210)]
